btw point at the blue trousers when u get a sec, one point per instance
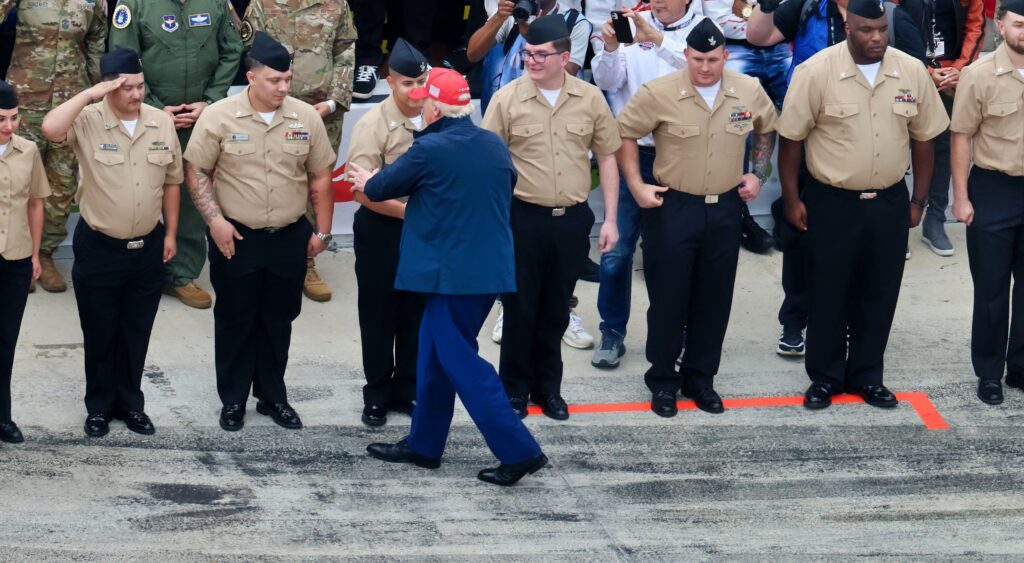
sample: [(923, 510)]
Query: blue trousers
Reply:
[(449, 363)]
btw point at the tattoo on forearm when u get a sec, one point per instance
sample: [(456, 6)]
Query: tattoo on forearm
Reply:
[(761, 150), (201, 190)]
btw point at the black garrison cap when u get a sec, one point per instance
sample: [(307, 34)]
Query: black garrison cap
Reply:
[(120, 61), (705, 36), (266, 51), (1015, 6), (407, 60), (870, 9), (8, 97), (547, 29)]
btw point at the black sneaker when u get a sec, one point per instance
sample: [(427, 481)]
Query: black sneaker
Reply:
[(791, 343), (754, 238), (365, 83)]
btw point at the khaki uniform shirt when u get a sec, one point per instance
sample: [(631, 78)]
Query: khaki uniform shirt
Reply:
[(550, 146), (22, 177), (858, 136), (989, 106), (700, 150), (380, 137), (262, 171), (122, 181)]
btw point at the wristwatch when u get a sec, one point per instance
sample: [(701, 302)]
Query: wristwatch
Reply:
[(326, 238), (748, 10)]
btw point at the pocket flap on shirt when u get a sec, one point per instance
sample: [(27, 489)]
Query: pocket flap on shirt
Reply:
[(841, 110), (160, 158), (239, 148), (683, 131), (109, 158), (904, 109), (296, 149), (1001, 109), (580, 129), (526, 130)]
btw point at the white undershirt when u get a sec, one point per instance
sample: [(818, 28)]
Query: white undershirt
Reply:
[(3, 148), (551, 95), (417, 122), (870, 72), (709, 93), (268, 116), (1020, 70), (130, 126)]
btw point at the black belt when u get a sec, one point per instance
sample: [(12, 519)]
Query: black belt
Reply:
[(862, 195), (549, 211), (265, 230), (137, 243), (706, 199), (646, 150)]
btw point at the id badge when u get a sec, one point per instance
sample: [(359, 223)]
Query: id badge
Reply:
[(940, 47)]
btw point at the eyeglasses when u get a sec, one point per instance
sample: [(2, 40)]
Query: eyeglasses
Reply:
[(537, 57)]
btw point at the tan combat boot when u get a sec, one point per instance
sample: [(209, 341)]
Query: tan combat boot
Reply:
[(51, 279), (192, 295), (314, 287)]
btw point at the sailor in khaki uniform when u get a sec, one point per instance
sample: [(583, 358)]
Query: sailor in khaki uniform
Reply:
[(389, 319), (271, 155), (550, 121), (863, 112), (691, 222), (23, 189), (987, 128), (131, 167)]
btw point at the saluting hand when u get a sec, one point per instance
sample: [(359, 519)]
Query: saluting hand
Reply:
[(963, 210), (224, 236), (101, 89), (750, 186), (648, 196)]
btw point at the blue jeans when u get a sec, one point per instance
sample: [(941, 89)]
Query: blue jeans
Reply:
[(769, 65), (615, 290)]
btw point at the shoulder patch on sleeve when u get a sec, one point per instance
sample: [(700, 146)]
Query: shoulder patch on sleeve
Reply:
[(246, 31)]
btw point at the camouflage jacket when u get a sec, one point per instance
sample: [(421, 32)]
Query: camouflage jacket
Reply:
[(57, 50), (321, 37)]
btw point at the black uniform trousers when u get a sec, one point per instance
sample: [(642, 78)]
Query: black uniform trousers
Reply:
[(389, 319), (690, 252), (551, 251), (995, 250), (117, 288), (793, 312), (416, 16), (855, 254), (259, 294), (15, 279)]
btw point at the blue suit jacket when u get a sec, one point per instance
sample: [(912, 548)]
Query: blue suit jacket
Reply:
[(456, 238)]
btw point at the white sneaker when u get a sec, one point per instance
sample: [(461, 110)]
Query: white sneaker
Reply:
[(496, 333), (575, 335)]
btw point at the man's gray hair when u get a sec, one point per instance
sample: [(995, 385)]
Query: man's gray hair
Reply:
[(455, 111)]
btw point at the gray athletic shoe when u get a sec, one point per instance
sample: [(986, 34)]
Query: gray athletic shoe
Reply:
[(607, 355), (933, 233)]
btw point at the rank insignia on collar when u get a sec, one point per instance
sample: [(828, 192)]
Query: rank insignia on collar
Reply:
[(170, 24)]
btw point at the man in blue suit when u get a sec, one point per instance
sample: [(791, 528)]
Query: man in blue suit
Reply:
[(459, 179)]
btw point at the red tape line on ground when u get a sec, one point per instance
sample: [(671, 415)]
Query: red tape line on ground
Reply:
[(917, 400)]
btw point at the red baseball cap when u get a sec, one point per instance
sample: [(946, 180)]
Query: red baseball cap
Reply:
[(444, 85)]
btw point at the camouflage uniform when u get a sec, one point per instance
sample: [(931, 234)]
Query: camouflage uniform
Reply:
[(56, 55), (321, 36)]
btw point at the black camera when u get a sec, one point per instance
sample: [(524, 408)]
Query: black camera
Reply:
[(524, 9)]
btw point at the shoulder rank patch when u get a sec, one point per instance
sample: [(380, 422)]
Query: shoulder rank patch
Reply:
[(122, 17), (170, 24)]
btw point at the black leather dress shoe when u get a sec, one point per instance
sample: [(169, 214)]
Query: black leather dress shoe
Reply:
[(878, 396), (232, 417), (1015, 379), (400, 453), (707, 399), (990, 391), (519, 406), (403, 407), (553, 406), (507, 475), (282, 413), (375, 414), (819, 395), (10, 433), (663, 403), (97, 425), (136, 421)]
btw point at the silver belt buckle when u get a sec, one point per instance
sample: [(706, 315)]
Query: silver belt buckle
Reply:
[(136, 244), (868, 195), (710, 199), (558, 212)]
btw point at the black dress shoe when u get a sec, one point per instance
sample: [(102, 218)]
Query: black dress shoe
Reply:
[(519, 406), (375, 415), (507, 475), (10, 433), (282, 413), (706, 398), (403, 407), (819, 395), (400, 453), (232, 417), (878, 396), (1015, 379), (990, 391), (136, 421), (553, 406), (97, 425), (663, 403)]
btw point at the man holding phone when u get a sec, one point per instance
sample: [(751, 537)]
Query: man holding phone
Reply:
[(620, 69)]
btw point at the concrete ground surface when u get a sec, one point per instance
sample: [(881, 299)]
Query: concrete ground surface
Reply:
[(760, 484)]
